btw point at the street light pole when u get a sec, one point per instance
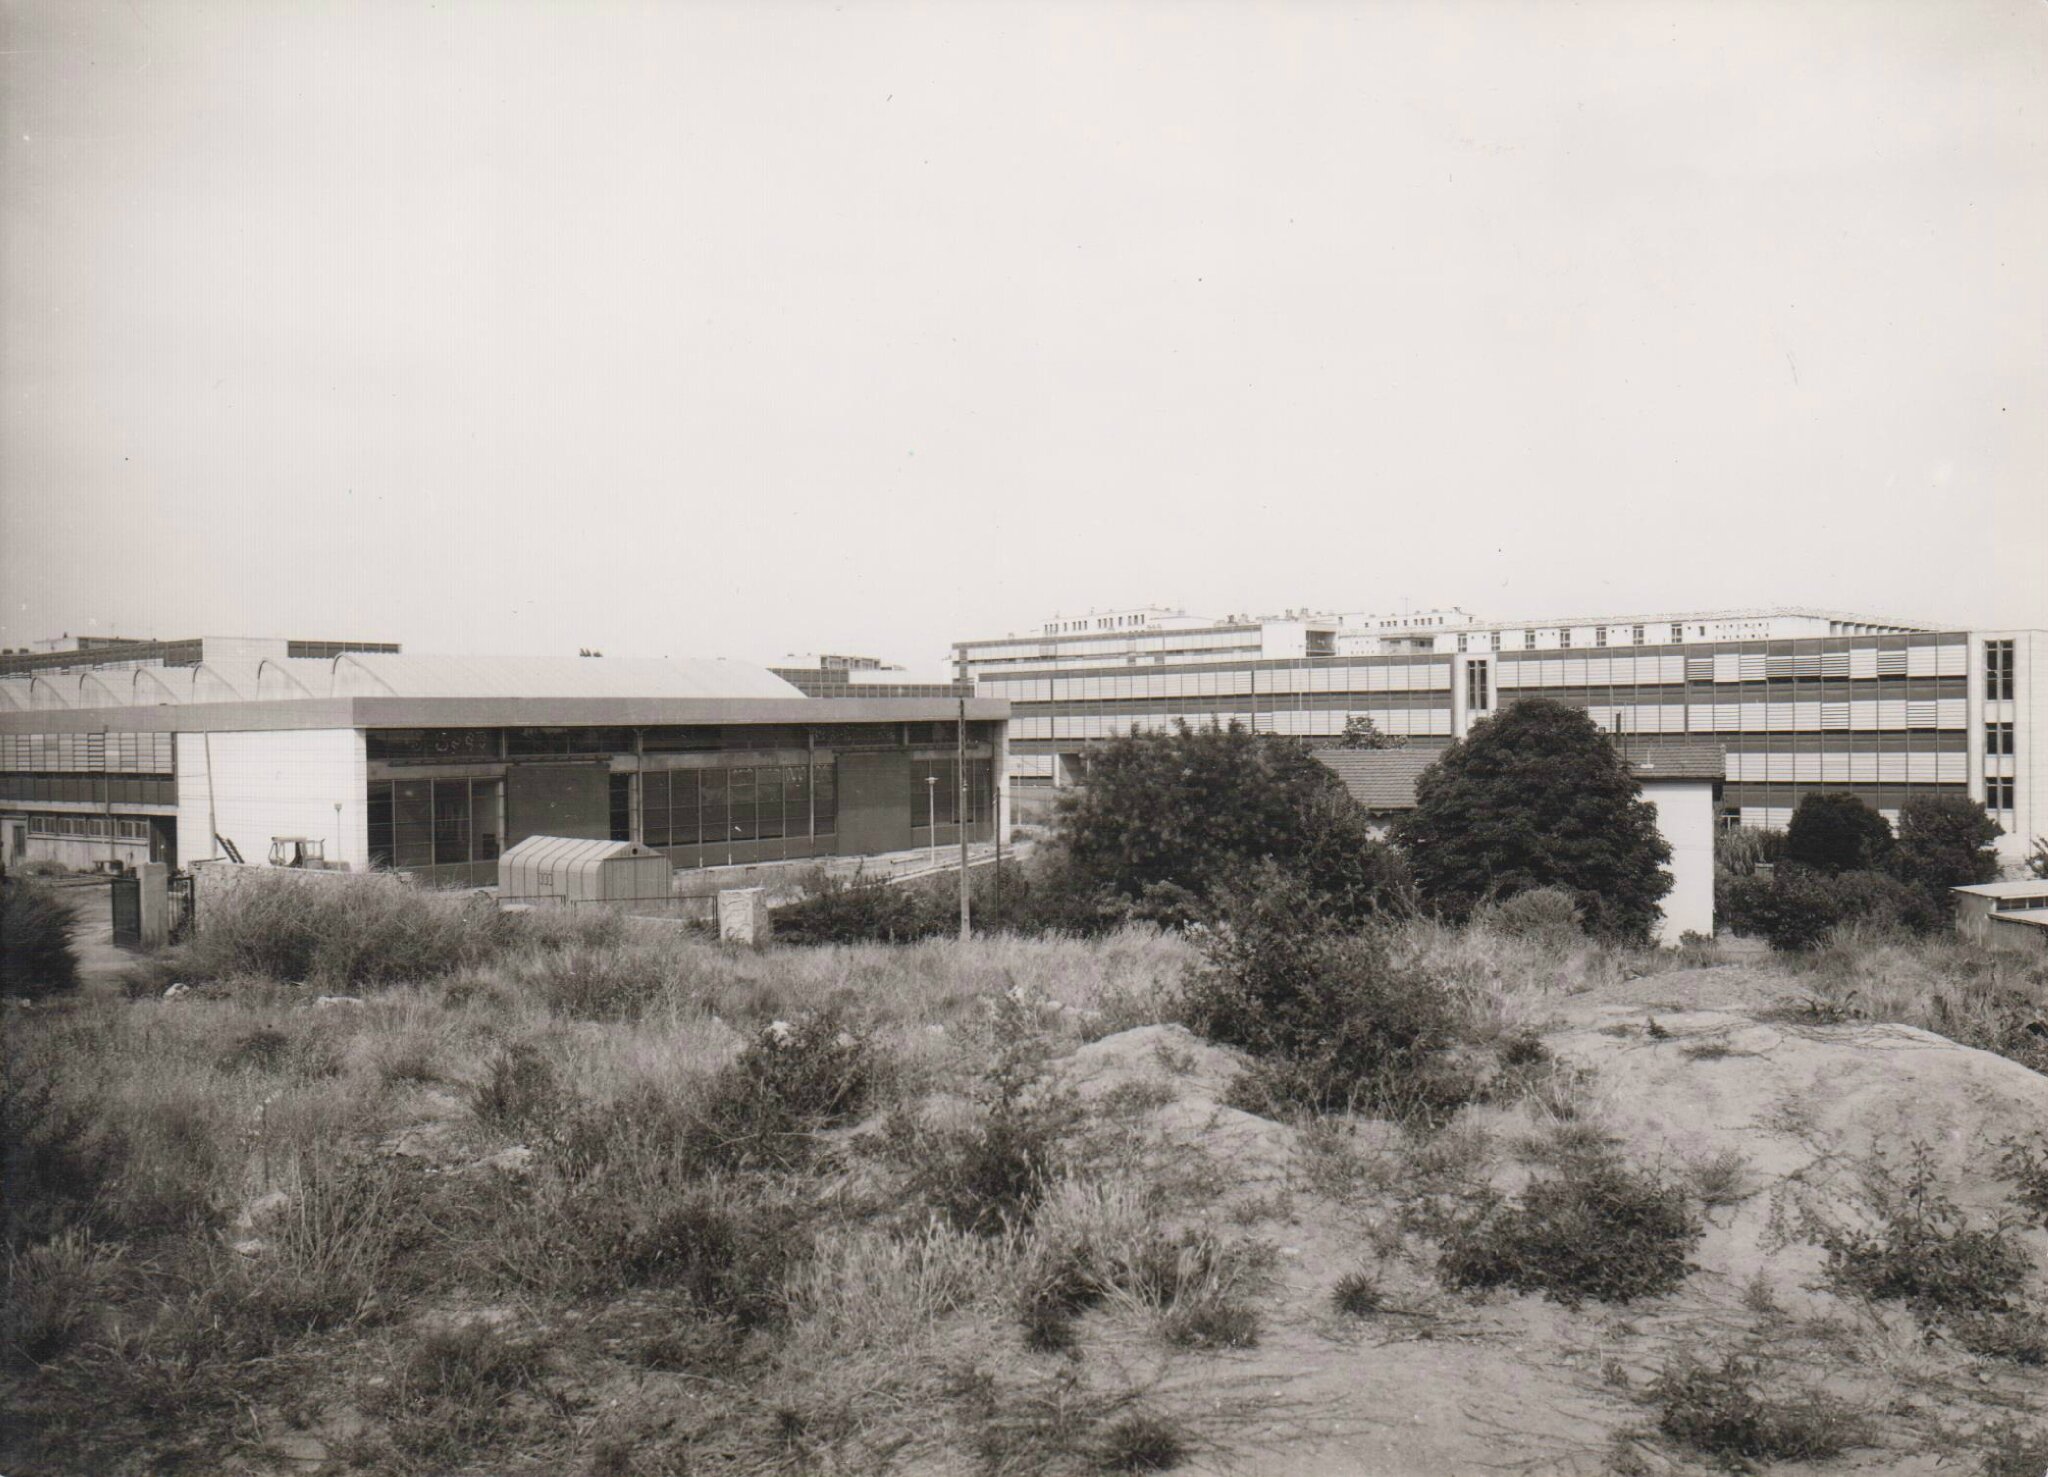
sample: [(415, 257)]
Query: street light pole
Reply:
[(931, 812), (960, 815)]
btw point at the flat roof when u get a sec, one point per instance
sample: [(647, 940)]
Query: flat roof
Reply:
[(495, 712), (2030, 887)]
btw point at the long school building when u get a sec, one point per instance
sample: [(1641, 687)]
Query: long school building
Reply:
[(1799, 700), (434, 765)]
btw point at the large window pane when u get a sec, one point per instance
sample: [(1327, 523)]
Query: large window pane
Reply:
[(768, 802), (654, 809), (451, 821), (739, 821), (486, 819), (412, 829), (380, 824), (712, 801)]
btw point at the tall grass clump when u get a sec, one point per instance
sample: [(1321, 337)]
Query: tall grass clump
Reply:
[(36, 958), (338, 930)]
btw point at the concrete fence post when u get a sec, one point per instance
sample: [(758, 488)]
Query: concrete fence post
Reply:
[(743, 916), (155, 893)]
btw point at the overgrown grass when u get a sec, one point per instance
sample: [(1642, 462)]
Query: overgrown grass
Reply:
[(841, 1187), (1990, 999)]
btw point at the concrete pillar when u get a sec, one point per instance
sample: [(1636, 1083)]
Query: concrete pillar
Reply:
[(155, 879)]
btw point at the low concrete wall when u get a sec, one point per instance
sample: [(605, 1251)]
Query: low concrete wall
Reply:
[(2017, 934)]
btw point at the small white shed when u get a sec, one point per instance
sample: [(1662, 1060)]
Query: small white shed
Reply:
[(568, 869)]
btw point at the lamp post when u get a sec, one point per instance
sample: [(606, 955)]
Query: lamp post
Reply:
[(931, 810), (338, 844)]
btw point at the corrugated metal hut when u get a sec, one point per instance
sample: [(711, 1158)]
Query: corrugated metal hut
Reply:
[(567, 869)]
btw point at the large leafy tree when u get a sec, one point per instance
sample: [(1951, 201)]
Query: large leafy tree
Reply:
[(1834, 831), (1944, 841), (1537, 796), (1168, 817)]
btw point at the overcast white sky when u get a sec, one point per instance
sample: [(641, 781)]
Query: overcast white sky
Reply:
[(723, 329)]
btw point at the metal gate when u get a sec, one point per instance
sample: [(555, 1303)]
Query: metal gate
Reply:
[(182, 913), (125, 894)]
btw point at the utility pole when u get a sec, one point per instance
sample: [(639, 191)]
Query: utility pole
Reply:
[(966, 931)]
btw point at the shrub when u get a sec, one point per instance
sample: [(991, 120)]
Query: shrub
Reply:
[(604, 981), (988, 1173), (1796, 910), (792, 1080), (724, 1247), (2026, 1165), (338, 930), (2018, 1335), (1834, 831), (61, 1161), (1332, 1020), (36, 958), (2010, 1450), (331, 1247), (856, 910), (1537, 796), (518, 1091), (1920, 1248), (1593, 1228), (1725, 1412), (623, 1199), (1548, 914)]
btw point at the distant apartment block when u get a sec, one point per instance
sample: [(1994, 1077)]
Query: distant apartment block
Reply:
[(1799, 700)]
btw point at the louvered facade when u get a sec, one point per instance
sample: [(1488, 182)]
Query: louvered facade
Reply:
[(1797, 700)]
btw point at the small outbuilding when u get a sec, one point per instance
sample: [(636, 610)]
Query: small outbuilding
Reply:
[(2005, 915), (568, 869)]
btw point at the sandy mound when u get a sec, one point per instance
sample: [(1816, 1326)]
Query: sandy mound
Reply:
[(1453, 1383)]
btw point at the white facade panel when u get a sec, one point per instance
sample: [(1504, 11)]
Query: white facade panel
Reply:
[(1685, 816), (282, 782)]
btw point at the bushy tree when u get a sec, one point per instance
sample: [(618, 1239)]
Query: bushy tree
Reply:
[(1537, 796), (1360, 732), (1169, 816), (1944, 841), (1833, 831)]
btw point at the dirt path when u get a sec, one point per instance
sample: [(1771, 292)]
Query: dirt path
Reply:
[(92, 933)]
